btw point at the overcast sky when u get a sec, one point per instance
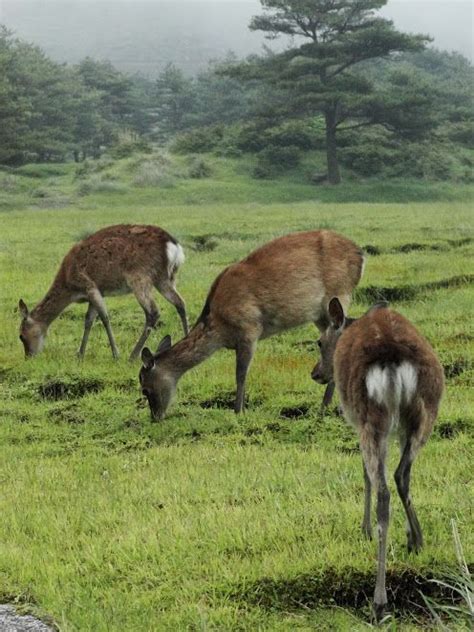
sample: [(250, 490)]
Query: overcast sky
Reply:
[(450, 22)]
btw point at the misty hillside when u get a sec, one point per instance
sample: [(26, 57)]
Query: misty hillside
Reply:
[(144, 35), (135, 36)]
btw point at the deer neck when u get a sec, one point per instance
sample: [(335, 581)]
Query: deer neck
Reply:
[(54, 302), (201, 342)]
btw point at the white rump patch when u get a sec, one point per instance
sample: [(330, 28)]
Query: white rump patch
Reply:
[(175, 254), (392, 385)]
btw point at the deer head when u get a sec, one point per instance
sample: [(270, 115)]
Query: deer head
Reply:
[(158, 383), (32, 332)]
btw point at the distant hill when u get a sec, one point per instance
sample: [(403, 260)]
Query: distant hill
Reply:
[(144, 35), (139, 36)]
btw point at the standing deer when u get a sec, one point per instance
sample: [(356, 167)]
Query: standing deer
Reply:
[(117, 259), (388, 377), (285, 283)]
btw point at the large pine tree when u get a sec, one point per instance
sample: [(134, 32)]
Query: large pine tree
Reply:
[(320, 75)]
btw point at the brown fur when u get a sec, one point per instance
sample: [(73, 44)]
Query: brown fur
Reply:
[(385, 337), (285, 283), (387, 376), (117, 259)]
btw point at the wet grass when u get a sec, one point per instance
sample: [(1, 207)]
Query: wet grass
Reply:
[(208, 521)]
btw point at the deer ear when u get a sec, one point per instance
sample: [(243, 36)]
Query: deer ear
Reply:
[(336, 313), (23, 308), (148, 358), (164, 345)]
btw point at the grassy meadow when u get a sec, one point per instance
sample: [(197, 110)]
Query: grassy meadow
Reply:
[(208, 521)]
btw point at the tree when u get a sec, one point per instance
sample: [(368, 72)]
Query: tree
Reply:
[(320, 75), (174, 98)]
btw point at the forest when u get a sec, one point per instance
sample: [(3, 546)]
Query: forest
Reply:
[(406, 110)]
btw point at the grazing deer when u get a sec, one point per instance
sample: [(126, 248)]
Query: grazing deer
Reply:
[(388, 377), (117, 259), (285, 283)]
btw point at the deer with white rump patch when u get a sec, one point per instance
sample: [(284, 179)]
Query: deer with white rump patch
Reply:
[(285, 283), (115, 260), (388, 378)]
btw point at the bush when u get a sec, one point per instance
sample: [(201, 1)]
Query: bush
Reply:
[(155, 174), (44, 170), (129, 146), (199, 168), (280, 157), (199, 141), (88, 167), (367, 159)]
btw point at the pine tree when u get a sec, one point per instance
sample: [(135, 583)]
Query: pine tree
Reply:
[(320, 76)]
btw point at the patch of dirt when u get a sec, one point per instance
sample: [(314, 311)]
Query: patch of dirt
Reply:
[(226, 401), (457, 367), (295, 412), (372, 250), (457, 243), (204, 243), (400, 293), (404, 248), (450, 429), (346, 588), (58, 389)]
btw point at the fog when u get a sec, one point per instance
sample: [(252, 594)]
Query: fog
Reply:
[(143, 35)]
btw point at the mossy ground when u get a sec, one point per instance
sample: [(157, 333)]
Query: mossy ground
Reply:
[(208, 520)]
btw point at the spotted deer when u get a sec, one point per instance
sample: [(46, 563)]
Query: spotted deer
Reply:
[(285, 283), (388, 379), (114, 260)]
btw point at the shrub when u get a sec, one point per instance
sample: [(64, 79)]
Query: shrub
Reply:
[(155, 174), (128, 146), (87, 167), (8, 183), (199, 168), (280, 158), (43, 170), (199, 141)]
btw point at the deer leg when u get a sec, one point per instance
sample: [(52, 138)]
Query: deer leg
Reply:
[(328, 395), (366, 523), (244, 354), (402, 479), (97, 301), (91, 315), (151, 318), (171, 294), (374, 454), (321, 325)]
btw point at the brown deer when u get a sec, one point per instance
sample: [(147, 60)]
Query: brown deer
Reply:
[(388, 378), (117, 259), (285, 283)]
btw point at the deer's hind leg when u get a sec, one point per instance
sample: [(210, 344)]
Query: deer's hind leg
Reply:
[(244, 353), (98, 303), (171, 294), (91, 315), (412, 437), (373, 444), (143, 293)]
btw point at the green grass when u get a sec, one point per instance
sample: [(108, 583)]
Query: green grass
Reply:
[(208, 521)]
